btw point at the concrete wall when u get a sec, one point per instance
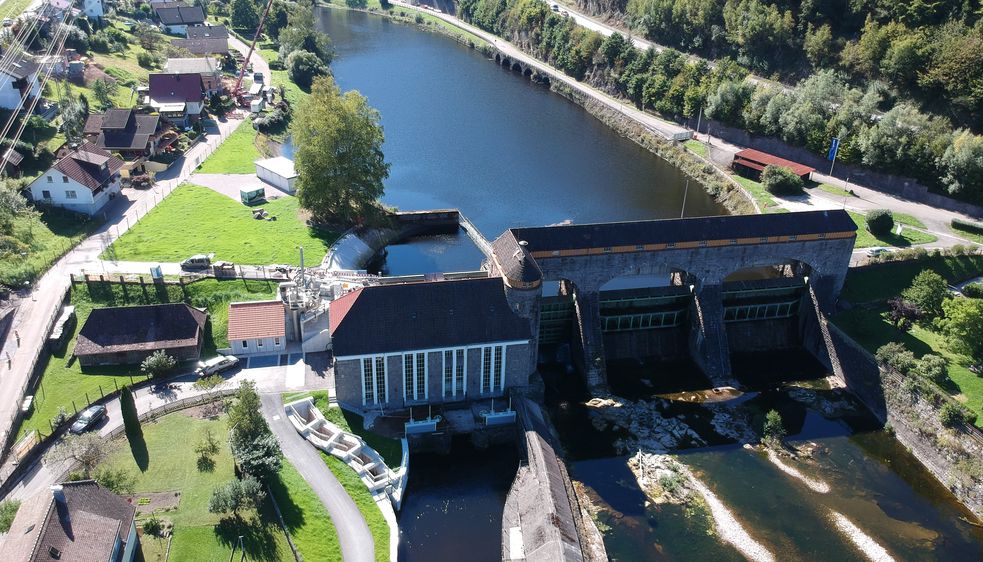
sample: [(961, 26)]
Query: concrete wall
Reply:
[(666, 343), (258, 345), (763, 335)]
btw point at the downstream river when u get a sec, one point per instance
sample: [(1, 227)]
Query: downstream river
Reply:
[(462, 132)]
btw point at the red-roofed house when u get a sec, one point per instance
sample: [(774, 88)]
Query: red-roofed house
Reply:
[(82, 181), (750, 163), (257, 327)]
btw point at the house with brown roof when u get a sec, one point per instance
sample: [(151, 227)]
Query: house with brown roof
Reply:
[(126, 335), (205, 40), (18, 81), (179, 98), (207, 67), (84, 180), (72, 521), (177, 17), (257, 327), (134, 136)]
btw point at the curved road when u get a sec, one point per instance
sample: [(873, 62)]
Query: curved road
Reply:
[(353, 532)]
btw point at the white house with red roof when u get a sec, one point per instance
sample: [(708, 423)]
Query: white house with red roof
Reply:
[(84, 181), (257, 327)]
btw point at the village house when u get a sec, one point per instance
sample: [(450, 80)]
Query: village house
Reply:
[(18, 81), (126, 335), (72, 521), (205, 40), (180, 98), (257, 327), (177, 17), (134, 136), (207, 67), (397, 346), (84, 180), (93, 9)]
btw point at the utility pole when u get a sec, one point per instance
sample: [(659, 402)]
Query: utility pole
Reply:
[(682, 212), (699, 119)]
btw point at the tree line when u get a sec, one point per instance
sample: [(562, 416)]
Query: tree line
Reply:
[(875, 130)]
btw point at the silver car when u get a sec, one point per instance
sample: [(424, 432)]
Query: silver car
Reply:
[(216, 365)]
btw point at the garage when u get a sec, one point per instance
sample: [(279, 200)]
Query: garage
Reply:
[(278, 172)]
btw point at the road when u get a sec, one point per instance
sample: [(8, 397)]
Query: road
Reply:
[(353, 532)]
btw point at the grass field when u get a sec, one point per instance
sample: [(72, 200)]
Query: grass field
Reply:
[(967, 234), (195, 219), (170, 465), (765, 200), (64, 381), (305, 517), (881, 282), (834, 190), (46, 240), (908, 237), (697, 147), (235, 155), (363, 499)]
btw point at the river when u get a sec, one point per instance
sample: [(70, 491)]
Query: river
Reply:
[(462, 132)]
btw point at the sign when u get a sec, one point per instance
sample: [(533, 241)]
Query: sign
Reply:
[(834, 147)]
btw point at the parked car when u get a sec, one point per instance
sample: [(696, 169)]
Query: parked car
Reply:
[(258, 77), (874, 252), (198, 261), (216, 365), (88, 418)]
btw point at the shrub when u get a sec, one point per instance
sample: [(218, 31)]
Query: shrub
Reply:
[(128, 411), (59, 418), (973, 290), (153, 526), (967, 226), (99, 43), (148, 60), (158, 363), (235, 495), (927, 292), (118, 481), (8, 509), (880, 221), (894, 356), (774, 429), (950, 415), (933, 367), (781, 181)]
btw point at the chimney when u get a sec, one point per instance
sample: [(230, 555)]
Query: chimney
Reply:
[(58, 492)]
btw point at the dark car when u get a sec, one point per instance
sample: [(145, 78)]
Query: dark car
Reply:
[(88, 418)]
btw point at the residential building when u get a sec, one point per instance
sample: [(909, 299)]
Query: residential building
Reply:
[(93, 9), (126, 335), (18, 84), (134, 136), (72, 521), (278, 172), (180, 98), (205, 40), (397, 346), (84, 180), (207, 67), (257, 327), (177, 17)]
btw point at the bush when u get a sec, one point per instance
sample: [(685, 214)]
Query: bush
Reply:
[(153, 526), (148, 60), (933, 367), (781, 181), (774, 429), (967, 226), (99, 43), (950, 415), (235, 495), (895, 357), (118, 481), (158, 363), (973, 290), (880, 222), (8, 509)]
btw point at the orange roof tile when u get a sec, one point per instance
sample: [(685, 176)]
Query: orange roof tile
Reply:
[(258, 319)]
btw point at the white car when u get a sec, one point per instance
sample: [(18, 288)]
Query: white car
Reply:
[(874, 252), (216, 365)]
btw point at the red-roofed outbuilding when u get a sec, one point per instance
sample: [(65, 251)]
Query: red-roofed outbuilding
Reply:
[(257, 327), (750, 163)]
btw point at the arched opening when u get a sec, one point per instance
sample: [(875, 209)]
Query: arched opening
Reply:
[(516, 67), (527, 72)]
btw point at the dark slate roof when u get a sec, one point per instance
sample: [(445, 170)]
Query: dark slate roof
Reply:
[(89, 165), (203, 45), (116, 118), (514, 260), (93, 124), (85, 526), (604, 235), (210, 31), (179, 15), (171, 88), (122, 129), (396, 318), (22, 69), (140, 328)]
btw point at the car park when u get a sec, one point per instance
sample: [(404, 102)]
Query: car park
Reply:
[(88, 418)]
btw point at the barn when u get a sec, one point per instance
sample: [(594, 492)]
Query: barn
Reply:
[(278, 172)]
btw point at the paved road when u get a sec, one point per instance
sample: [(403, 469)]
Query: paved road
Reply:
[(353, 532)]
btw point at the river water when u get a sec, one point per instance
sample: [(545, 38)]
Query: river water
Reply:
[(462, 132)]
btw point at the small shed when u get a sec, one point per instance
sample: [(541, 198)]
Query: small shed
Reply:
[(257, 327), (750, 163), (278, 172)]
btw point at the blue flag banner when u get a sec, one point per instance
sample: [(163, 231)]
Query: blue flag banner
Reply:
[(833, 148)]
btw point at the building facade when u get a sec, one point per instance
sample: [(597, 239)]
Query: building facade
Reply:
[(84, 181), (19, 84), (257, 327)]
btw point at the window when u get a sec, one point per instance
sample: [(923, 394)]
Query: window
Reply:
[(793, 238), (415, 376), (45, 194), (608, 250), (70, 194), (671, 245), (639, 247), (276, 341), (64, 179), (259, 342), (454, 364), (245, 343), (703, 242), (374, 389), (50, 179), (492, 368)]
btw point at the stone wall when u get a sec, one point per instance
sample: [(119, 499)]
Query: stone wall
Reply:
[(763, 335)]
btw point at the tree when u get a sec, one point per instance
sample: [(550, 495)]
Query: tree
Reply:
[(780, 180), (300, 34), (276, 20), (880, 222), (962, 166), (244, 15), (818, 45), (73, 115), (128, 411), (927, 292), (104, 89), (259, 458), (962, 326), (304, 66), (246, 421), (934, 368), (116, 480), (87, 449), (950, 415), (158, 363), (236, 495), (773, 430), (902, 313), (339, 157), (895, 356)]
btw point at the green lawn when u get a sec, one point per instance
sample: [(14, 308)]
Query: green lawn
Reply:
[(195, 219), (64, 381), (363, 499), (390, 449), (305, 516), (834, 190), (170, 465), (697, 147), (45, 240), (765, 200), (906, 219), (967, 234), (235, 155), (908, 237), (879, 283)]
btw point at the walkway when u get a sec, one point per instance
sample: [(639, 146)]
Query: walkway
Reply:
[(353, 532)]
